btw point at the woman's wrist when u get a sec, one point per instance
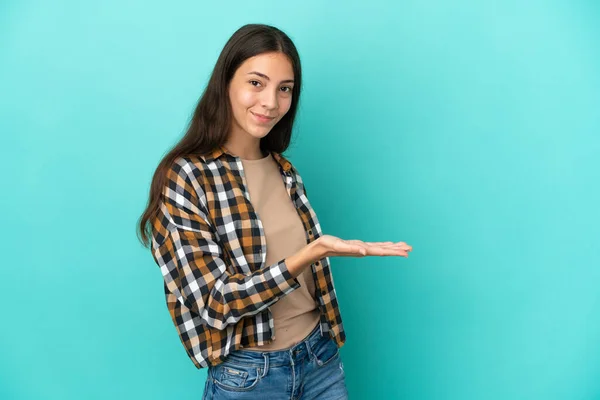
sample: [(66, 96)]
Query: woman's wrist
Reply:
[(306, 256), (315, 251)]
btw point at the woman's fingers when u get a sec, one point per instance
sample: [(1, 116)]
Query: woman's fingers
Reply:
[(400, 245), (379, 251), (382, 244)]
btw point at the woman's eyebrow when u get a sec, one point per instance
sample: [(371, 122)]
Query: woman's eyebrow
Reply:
[(267, 78)]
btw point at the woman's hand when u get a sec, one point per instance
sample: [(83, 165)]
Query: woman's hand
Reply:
[(331, 246)]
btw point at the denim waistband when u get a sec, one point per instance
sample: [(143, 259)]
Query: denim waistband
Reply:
[(289, 356)]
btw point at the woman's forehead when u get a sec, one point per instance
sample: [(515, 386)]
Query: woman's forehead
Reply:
[(276, 66)]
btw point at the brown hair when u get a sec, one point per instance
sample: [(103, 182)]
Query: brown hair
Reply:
[(211, 122)]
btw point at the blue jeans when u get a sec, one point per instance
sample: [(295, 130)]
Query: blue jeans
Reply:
[(311, 369)]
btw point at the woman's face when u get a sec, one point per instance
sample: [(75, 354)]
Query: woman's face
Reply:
[(261, 93)]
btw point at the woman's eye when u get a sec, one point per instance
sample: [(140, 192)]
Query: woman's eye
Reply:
[(254, 83), (286, 89)]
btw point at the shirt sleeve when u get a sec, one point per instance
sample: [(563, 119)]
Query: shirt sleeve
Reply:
[(192, 263)]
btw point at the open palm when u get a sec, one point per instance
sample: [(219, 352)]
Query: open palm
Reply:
[(333, 246)]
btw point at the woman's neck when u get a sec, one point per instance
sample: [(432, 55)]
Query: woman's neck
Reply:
[(244, 146)]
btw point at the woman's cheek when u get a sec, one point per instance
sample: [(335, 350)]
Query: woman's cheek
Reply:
[(247, 99), (286, 106)]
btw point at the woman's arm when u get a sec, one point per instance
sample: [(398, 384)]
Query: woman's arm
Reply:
[(192, 262)]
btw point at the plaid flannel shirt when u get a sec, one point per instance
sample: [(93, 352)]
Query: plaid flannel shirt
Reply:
[(210, 246)]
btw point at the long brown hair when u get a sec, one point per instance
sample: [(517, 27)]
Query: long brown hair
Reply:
[(211, 121)]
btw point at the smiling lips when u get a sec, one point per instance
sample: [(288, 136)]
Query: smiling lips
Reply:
[(262, 118)]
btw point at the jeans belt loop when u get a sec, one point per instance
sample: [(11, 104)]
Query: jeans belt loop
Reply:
[(266, 366)]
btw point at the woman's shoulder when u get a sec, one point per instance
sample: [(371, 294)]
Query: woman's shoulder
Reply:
[(189, 169), (190, 164)]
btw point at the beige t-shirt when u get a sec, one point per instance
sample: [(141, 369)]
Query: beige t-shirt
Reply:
[(296, 314)]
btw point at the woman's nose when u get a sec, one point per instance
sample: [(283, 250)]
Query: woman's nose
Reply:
[(269, 100)]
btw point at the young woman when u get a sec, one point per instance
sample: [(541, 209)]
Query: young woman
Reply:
[(265, 323)]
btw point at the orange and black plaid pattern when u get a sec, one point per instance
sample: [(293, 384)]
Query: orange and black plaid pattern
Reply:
[(210, 246)]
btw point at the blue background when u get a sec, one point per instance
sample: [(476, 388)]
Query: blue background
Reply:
[(470, 131)]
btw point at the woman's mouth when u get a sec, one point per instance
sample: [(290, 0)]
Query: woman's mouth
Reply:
[(262, 118)]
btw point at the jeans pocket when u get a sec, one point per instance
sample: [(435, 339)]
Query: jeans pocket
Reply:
[(235, 377), (324, 351)]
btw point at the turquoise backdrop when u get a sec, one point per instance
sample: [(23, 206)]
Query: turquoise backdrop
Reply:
[(470, 131)]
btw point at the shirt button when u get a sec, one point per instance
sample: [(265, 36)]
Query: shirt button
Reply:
[(317, 263), (323, 292), (310, 232)]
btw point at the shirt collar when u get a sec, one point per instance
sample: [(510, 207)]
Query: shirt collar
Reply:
[(220, 150)]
